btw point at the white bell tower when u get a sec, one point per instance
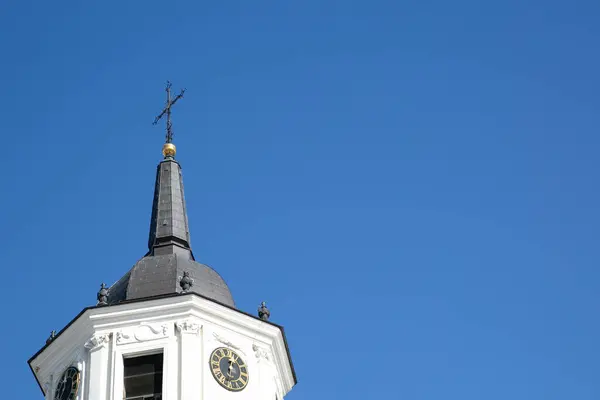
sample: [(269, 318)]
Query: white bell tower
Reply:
[(169, 328), (161, 349)]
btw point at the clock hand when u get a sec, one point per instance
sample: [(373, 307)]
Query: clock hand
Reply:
[(231, 368)]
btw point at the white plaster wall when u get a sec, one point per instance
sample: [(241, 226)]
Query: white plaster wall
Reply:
[(186, 330)]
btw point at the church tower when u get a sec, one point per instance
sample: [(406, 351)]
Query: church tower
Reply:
[(169, 328)]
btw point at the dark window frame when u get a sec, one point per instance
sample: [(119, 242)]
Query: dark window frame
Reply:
[(143, 376)]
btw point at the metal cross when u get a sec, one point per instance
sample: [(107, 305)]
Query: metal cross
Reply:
[(167, 110)]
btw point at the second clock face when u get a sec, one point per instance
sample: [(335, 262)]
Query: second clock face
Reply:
[(229, 369), (67, 386)]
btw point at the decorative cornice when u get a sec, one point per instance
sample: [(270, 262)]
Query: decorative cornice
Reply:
[(97, 341), (143, 333), (188, 326)]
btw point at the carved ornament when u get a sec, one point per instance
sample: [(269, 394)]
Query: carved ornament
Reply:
[(143, 333), (261, 353), (97, 341), (188, 326), (227, 342)]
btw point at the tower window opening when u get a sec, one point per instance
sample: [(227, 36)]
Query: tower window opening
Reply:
[(143, 377)]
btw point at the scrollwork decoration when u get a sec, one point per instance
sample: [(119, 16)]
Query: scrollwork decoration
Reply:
[(188, 326)]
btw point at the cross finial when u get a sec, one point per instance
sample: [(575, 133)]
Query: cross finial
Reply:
[(167, 110)]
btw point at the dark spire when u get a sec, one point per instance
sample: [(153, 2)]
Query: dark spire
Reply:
[(169, 230), (169, 263)]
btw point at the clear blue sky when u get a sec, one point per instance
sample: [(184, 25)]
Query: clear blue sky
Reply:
[(412, 186)]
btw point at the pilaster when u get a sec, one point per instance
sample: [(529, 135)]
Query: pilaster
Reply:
[(190, 359), (48, 389), (98, 346)]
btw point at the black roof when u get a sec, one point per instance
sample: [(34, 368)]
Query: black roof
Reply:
[(157, 275)]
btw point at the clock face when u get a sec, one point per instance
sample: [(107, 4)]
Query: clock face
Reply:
[(229, 369), (67, 386)]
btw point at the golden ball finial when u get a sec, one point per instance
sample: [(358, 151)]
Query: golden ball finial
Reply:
[(169, 150)]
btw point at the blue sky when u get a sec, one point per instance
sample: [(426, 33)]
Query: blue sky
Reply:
[(410, 185)]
